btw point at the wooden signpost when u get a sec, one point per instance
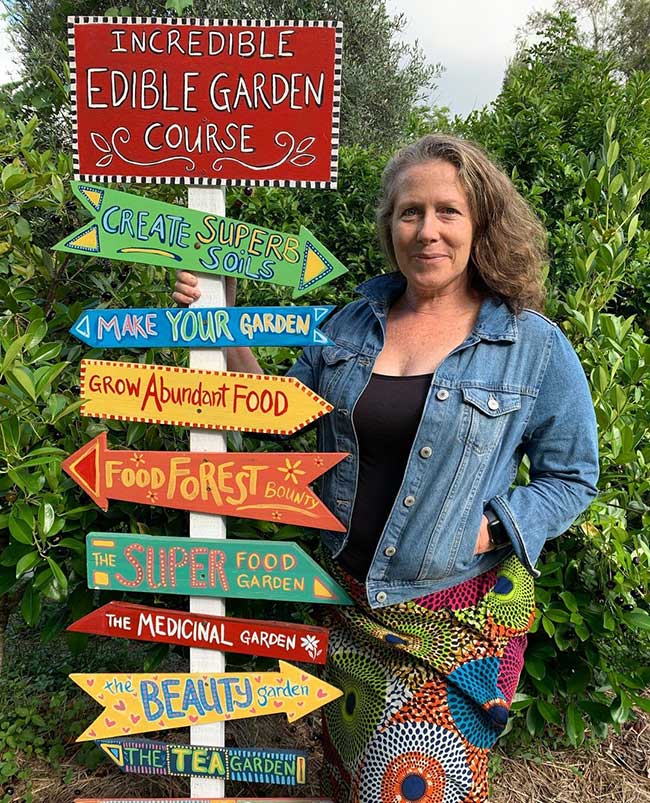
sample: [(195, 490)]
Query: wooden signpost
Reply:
[(268, 486), (213, 327), (206, 102), (134, 228), (259, 765), (159, 564), (202, 103), (162, 394), (139, 703), (304, 643)]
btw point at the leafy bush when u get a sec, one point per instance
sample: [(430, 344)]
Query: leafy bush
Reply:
[(575, 138)]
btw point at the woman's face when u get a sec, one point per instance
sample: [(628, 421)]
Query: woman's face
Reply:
[(432, 228)]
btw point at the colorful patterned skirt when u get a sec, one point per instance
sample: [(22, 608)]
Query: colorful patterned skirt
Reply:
[(427, 685)]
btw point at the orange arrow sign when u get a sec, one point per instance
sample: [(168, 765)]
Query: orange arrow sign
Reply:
[(271, 486), (162, 394), (140, 703)]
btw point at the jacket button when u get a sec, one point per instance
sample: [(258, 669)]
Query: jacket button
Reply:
[(390, 551), (381, 596), (493, 403), (426, 452), (442, 394), (409, 501)]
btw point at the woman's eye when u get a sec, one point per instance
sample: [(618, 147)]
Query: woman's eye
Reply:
[(449, 210), (409, 211)]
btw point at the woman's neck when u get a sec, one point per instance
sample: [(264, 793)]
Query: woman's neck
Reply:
[(459, 301)]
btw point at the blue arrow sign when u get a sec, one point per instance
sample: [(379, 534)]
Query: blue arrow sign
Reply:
[(257, 764), (207, 327)]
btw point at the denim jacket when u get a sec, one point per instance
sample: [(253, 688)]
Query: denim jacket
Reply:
[(514, 387)]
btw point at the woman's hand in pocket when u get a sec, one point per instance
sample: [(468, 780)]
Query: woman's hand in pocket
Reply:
[(483, 542)]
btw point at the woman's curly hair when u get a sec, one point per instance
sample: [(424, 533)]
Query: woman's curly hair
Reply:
[(509, 247)]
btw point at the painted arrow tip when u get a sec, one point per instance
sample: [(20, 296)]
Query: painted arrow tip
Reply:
[(320, 339), (81, 328), (323, 692), (319, 265), (113, 750), (321, 312), (84, 466)]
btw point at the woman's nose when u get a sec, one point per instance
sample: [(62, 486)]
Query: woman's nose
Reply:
[(429, 230)]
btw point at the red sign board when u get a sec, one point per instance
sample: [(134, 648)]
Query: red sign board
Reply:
[(268, 639), (269, 486), (216, 102)]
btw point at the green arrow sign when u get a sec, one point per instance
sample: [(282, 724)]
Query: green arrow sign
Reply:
[(137, 229), (202, 567)]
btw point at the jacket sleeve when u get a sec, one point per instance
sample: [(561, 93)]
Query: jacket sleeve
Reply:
[(561, 442)]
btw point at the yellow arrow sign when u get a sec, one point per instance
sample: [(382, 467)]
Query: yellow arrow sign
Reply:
[(161, 394), (139, 703)]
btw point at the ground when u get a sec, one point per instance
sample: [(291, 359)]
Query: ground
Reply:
[(616, 771)]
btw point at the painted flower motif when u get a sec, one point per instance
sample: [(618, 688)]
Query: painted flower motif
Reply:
[(138, 458), (291, 472), (319, 461), (310, 645), (276, 515), (151, 496)]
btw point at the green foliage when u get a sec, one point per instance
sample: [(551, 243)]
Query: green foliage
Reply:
[(43, 516), (575, 140), (42, 712), (630, 34)]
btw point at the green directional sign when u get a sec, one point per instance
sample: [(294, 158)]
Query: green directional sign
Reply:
[(137, 229), (204, 567)]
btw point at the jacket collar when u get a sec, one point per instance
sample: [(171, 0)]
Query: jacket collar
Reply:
[(495, 321)]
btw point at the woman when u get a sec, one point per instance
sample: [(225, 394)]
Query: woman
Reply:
[(442, 379)]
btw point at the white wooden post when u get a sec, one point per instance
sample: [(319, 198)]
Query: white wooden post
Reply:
[(203, 524)]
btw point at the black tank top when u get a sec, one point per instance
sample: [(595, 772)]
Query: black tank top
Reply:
[(386, 418)]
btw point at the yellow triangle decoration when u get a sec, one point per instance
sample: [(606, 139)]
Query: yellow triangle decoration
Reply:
[(93, 196), (314, 266), (88, 240), (321, 591)]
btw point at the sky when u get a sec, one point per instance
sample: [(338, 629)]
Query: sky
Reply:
[(474, 43)]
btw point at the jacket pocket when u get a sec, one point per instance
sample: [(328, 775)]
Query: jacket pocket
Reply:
[(484, 416)]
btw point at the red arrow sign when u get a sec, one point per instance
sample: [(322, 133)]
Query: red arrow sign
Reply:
[(269, 639), (271, 486)]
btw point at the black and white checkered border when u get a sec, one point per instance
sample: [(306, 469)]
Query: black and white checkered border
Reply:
[(206, 182)]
